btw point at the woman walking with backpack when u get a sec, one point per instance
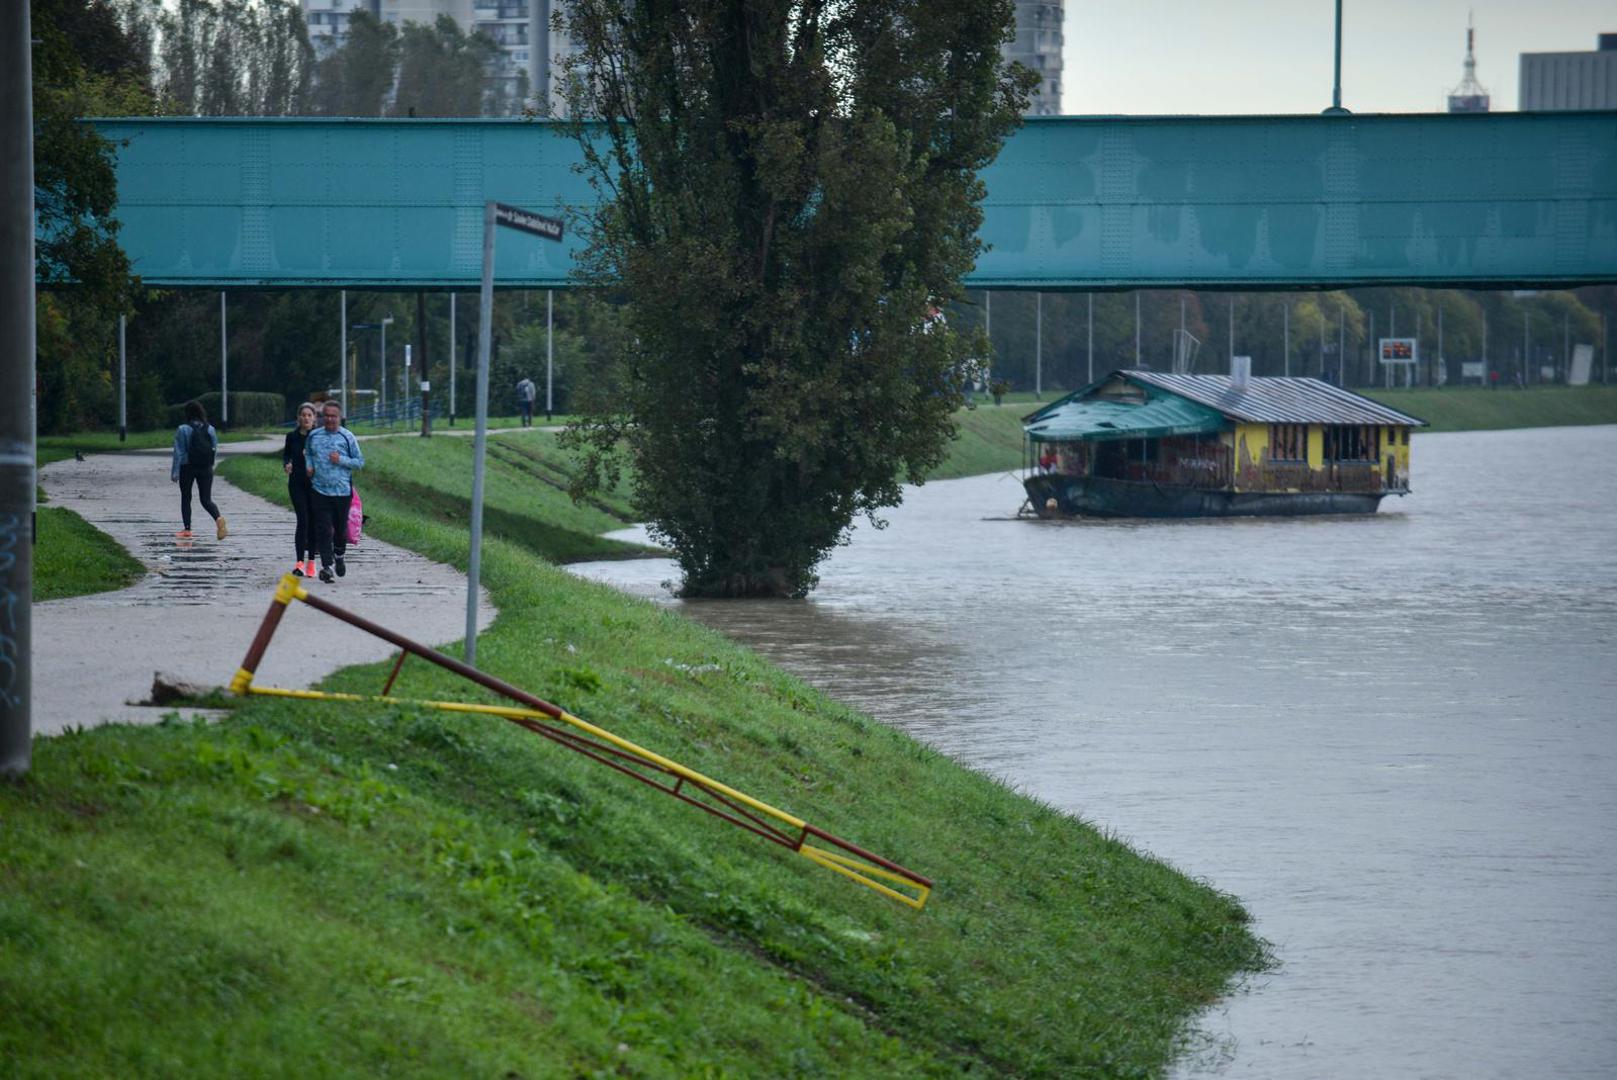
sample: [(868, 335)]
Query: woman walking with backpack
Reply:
[(298, 489), (195, 446)]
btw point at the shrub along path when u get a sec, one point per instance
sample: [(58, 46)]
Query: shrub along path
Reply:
[(196, 609)]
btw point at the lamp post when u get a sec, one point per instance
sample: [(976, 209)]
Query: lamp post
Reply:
[(386, 319), (381, 401), (16, 390), (224, 367), (1336, 86)]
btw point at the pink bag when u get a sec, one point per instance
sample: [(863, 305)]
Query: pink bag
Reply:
[(356, 518)]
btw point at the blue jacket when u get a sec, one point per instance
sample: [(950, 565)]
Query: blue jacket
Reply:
[(332, 479), (182, 447)]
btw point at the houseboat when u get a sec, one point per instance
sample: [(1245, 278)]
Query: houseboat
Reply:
[(1154, 444)]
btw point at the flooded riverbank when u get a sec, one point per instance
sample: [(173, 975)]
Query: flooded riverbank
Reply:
[(1394, 737)]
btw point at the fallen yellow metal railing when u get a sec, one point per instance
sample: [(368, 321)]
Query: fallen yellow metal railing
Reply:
[(560, 726)]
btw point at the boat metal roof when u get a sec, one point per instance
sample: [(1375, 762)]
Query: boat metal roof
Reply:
[(1275, 399), (1100, 418)]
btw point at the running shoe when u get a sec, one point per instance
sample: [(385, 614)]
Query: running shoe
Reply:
[(184, 534), (342, 567), (309, 569), (297, 570), (326, 575), (221, 528)]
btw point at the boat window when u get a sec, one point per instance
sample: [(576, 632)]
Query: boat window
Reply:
[(1288, 442), (1352, 442)]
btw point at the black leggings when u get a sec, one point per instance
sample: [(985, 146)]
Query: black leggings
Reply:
[(299, 494), (203, 478), (330, 524)]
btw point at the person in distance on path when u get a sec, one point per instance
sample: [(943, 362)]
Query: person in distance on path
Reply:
[(526, 393), (195, 446), (331, 454), (298, 490)]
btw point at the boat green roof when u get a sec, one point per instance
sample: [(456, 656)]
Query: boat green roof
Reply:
[(1099, 418)]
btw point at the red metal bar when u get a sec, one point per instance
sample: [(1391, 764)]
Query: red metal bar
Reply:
[(754, 825), (266, 630), (736, 815), (395, 674), (855, 849), (464, 670)]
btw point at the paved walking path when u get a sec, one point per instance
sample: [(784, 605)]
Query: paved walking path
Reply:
[(196, 610)]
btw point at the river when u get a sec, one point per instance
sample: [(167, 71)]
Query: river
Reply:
[(1394, 737)]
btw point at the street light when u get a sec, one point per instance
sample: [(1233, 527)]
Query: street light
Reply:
[(387, 320)]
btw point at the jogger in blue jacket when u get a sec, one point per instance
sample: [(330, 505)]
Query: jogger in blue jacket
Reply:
[(331, 454)]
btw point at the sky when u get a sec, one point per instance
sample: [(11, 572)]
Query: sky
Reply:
[(1147, 57)]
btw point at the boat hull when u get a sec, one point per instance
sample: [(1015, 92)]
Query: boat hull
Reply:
[(1055, 495)]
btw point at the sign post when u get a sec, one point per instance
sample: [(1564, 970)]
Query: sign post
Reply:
[(16, 391), (546, 228)]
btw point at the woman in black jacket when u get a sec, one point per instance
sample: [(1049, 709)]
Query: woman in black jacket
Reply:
[(297, 488)]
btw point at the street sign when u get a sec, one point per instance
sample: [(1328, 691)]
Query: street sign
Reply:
[(514, 217), (1398, 350), (546, 228)]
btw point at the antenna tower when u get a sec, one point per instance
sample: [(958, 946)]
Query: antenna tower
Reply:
[(1469, 96)]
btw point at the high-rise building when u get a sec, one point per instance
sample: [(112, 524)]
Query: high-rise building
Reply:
[(1038, 47), (1570, 80), (519, 34), (1469, 96), (328, 20)]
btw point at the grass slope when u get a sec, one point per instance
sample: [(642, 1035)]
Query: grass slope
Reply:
[(308, 888), (989, 440), (74, 558), (49, 448), (1476, 408)]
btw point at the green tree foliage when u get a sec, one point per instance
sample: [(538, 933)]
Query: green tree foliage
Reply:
[(788, 191), (84, 64), (231, 57), (444, 71), (355, 78)]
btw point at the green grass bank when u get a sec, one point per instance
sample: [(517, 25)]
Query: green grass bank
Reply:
[(74, 558), (1477, 408), (49, 448), (308, 888)]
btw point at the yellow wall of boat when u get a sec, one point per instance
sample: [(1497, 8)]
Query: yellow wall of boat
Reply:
[(1250, 442)]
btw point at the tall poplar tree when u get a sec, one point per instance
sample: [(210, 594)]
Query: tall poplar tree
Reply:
[(444, 71), (789, 190)]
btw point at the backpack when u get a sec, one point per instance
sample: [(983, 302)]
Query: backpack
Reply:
[(199, 451)]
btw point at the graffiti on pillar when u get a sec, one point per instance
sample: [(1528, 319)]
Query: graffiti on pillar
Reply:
[(10, 672)]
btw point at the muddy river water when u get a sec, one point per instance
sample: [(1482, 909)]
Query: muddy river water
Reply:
[(1394, 737)]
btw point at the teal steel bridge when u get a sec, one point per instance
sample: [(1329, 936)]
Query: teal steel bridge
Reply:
[(1074, 203)]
